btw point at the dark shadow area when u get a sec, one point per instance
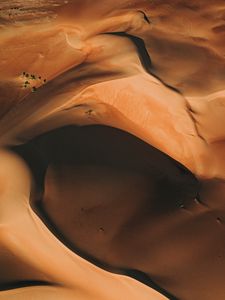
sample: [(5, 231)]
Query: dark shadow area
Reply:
[(105, 146), (22, 284), (144, 57)]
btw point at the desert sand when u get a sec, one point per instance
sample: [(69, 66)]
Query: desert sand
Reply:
[(112, 144)]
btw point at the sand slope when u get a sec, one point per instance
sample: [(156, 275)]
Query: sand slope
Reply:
[(92, 204)]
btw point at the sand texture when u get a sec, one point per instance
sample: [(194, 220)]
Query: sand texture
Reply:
[(112, 150)]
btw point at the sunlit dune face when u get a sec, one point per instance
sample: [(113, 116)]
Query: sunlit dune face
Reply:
[(112, 150)]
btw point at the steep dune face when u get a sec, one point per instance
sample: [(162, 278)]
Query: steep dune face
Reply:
[(116, 112)]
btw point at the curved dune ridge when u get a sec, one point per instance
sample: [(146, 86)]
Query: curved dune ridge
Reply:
[(112, 149)]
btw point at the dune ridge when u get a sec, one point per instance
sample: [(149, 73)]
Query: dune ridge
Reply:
[(112, 149)]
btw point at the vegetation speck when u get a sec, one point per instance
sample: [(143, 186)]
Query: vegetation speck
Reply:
[(32, 77)]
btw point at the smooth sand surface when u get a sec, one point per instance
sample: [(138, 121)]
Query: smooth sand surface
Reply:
[(31, 253), (112, 149)]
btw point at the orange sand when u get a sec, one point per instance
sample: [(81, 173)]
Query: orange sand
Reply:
[(89, 205)]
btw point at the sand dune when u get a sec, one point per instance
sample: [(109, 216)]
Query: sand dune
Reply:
[(112, 149)]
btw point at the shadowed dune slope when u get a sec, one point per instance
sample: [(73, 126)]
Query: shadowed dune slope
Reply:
[(112, 144)]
